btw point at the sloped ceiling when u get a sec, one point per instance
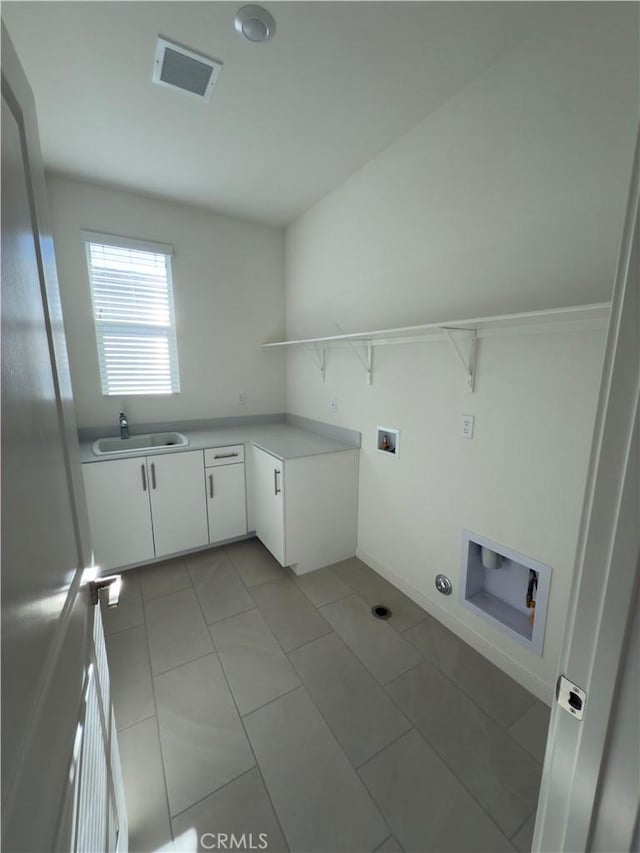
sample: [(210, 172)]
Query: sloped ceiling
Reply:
[(288, 121)]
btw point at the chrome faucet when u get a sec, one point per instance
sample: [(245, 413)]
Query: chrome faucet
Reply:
[(124, 426)]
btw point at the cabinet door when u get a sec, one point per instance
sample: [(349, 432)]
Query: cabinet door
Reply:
[(178, 505), (226, 502), (269, 496), (119, 512)]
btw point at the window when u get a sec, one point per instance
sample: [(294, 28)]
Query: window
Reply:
[(133, 313)]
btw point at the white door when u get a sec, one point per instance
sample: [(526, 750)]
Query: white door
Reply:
[(226, 502), (269, 497), (61, 787), (589, 798), (178, 506), (119, 511)]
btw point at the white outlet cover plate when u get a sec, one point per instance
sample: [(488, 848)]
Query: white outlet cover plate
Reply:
[(466, 426)]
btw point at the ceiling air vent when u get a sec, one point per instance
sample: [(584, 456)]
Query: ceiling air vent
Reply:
[(179, 68)]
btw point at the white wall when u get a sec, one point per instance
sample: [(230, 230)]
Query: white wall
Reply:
[(228, 281), (519, 481), (509, 198)]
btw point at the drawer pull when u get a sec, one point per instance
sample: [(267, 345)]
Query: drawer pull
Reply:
[(276, 490), (144, 478), (153, 475), (210, 485), (225, 455)]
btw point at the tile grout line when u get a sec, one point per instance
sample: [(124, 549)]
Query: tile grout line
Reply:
[(155, 703), (178, 665), (451, 770), (468, 695), (275, 699), (523, 823), (301, 685), (382, 685), (427, 616), (257, 608), (306, 642), (333, 601), (246, 734), (260, 583), (271, 701), (383, 843), (230, 616), (524, 714), (166, 594), (211, 793), (156, 566), (311, 604), (240, 580), (137, 722), (379, 577), (356, 767), (369, 670), (326, 721), (411, 728)]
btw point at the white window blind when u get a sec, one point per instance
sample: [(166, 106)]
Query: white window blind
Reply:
[(133, 314)]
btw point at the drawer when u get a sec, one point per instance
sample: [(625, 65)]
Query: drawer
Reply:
[(224, 455)]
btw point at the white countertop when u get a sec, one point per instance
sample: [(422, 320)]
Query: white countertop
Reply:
[(282, 440)]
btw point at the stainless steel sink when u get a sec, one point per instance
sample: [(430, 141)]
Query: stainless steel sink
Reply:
[(136, 443)]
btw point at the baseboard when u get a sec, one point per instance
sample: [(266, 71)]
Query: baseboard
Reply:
[(530, 682)]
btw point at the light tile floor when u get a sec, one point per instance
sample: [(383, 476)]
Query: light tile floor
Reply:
[(250, 701)]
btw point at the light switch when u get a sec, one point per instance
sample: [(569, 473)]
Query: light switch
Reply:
[(466, 426)]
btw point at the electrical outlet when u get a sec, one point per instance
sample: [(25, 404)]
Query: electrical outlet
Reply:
[(333, 405), (242, 398), (466, 426)]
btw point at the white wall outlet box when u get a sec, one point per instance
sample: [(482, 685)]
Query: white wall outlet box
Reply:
[(466, 426), (512, 594), (333, 405), (388, 441)]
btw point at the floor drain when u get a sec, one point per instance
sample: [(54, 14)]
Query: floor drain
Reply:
[(380, 611)]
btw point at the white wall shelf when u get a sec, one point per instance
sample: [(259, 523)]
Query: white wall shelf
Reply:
[(463, 335)]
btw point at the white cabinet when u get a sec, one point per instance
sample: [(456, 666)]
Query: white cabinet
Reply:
[(226, 501), (230, 455), (178, 510), (268, 484), (146, 507), (119, 511), (306, 508)]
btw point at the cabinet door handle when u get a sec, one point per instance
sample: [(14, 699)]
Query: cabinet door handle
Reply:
[(224, 455), (144, 478), (276, 490), (210, 485), (153, 475)]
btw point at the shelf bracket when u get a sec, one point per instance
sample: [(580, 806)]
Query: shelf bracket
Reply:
[(320, 357), (468, 360), (367, 360), (369, 363)]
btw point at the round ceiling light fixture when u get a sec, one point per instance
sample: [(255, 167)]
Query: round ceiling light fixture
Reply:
[(255, 23)]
